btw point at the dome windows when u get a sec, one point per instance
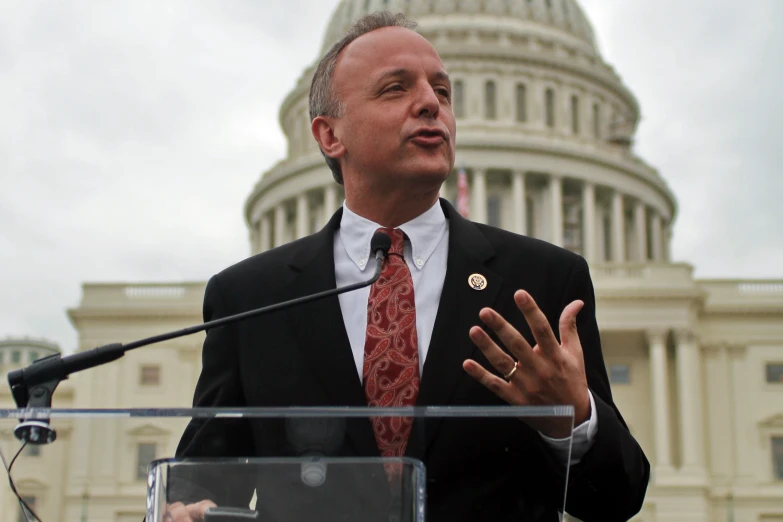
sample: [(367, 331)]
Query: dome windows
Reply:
[(490, 100), (549, 107), (458, 99), (521, 102), (575, 114)]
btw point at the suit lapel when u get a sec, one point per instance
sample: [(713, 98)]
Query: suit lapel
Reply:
[(320, 333), (458, 310)]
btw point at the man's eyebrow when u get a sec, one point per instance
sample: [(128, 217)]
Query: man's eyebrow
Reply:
[(441, 75), (397, 73), (394, 73)]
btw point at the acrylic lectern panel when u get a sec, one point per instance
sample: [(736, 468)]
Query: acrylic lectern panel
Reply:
[(461, 463)]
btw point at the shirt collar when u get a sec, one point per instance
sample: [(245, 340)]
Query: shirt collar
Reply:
[(424, 232)]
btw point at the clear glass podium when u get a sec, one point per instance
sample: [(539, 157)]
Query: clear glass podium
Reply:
[(286, 464)]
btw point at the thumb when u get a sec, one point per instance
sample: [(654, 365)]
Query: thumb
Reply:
[(568, 332)]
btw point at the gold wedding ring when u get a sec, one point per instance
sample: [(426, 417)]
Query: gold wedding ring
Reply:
[(510, 374)]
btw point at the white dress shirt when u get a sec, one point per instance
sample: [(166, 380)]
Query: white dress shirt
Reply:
[(426, 253)]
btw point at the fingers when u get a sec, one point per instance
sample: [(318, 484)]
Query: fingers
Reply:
[(499, 359), (568, 332), (196, 511), (537, 321), (179, 512), (493, 383)]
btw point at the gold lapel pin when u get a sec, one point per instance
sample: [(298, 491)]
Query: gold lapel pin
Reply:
[(477, 281)]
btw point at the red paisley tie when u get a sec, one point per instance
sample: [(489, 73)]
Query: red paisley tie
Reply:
[(391, 349)]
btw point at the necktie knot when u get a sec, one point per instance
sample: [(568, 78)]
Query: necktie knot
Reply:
[(398, 239)]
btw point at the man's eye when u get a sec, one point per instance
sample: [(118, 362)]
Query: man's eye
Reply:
[(395, 87)]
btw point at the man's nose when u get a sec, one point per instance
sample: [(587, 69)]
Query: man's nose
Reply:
[(428, 103)]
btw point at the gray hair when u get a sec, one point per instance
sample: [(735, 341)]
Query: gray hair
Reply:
[(323, 98)]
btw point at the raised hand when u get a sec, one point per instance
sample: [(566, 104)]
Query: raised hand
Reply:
[(547, 374)]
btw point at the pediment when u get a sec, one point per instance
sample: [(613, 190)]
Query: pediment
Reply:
[(30, 484), (775, 421), (148, 430)]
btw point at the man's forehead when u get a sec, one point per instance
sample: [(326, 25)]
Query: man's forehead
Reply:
[(384, 51)]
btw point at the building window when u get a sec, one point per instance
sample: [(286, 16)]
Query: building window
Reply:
[(575, 114), (145, 453), (597, 120), (620, 374), (149, 375), (31, 501), (521, 102), (16, 357), (458, 99), (777, 457), (33, 357), (775, 373), (549, 104), (493, 211), (490, 102)]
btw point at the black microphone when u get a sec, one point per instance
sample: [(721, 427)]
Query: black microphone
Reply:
[(33, 386)]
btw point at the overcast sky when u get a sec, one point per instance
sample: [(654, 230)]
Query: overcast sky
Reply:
[(132, 132)]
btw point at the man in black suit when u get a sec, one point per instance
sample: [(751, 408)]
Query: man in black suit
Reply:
[(381, 113)]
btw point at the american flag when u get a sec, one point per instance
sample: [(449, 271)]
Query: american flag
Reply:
[(463, 206)]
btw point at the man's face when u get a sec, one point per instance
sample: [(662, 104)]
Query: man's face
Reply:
[(397, 127)]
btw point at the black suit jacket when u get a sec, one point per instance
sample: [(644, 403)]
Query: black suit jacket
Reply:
[(500, 470)]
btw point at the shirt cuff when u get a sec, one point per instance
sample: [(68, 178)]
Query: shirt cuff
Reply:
[(583, 437)]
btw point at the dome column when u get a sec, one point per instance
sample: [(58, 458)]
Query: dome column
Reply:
[(588, 222), (519, 198), (478, 203), (640, 224), (657, 240), (265, 242), (280, 219), (302, 215), (618, 228), (330, 201), (556, 207)]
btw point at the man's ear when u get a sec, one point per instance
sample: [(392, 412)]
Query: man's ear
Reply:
[(323, 132)]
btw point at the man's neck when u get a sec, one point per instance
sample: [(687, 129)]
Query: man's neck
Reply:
[(392, 210)]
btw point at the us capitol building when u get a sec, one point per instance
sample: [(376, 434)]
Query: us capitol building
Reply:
[(545, 135)]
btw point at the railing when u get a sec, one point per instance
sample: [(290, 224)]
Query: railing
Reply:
[(765, 293), (141, 294), (636, 275)]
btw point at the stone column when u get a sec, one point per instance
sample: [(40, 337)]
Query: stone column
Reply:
[(689, 386), (478, 192), (656, 239), (519, 198), (618, 228), (666, 236), (266, 233), (302, 216), (656, 340), (640, 223), (590, 246), (280, 222), (330, 201), (556, 204), (254, 238)]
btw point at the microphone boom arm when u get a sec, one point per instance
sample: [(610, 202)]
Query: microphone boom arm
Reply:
[(33, 386)]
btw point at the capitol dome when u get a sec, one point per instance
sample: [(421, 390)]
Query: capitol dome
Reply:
[(545, 134)]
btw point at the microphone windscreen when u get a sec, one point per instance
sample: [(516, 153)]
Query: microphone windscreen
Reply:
[(380, 241)]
